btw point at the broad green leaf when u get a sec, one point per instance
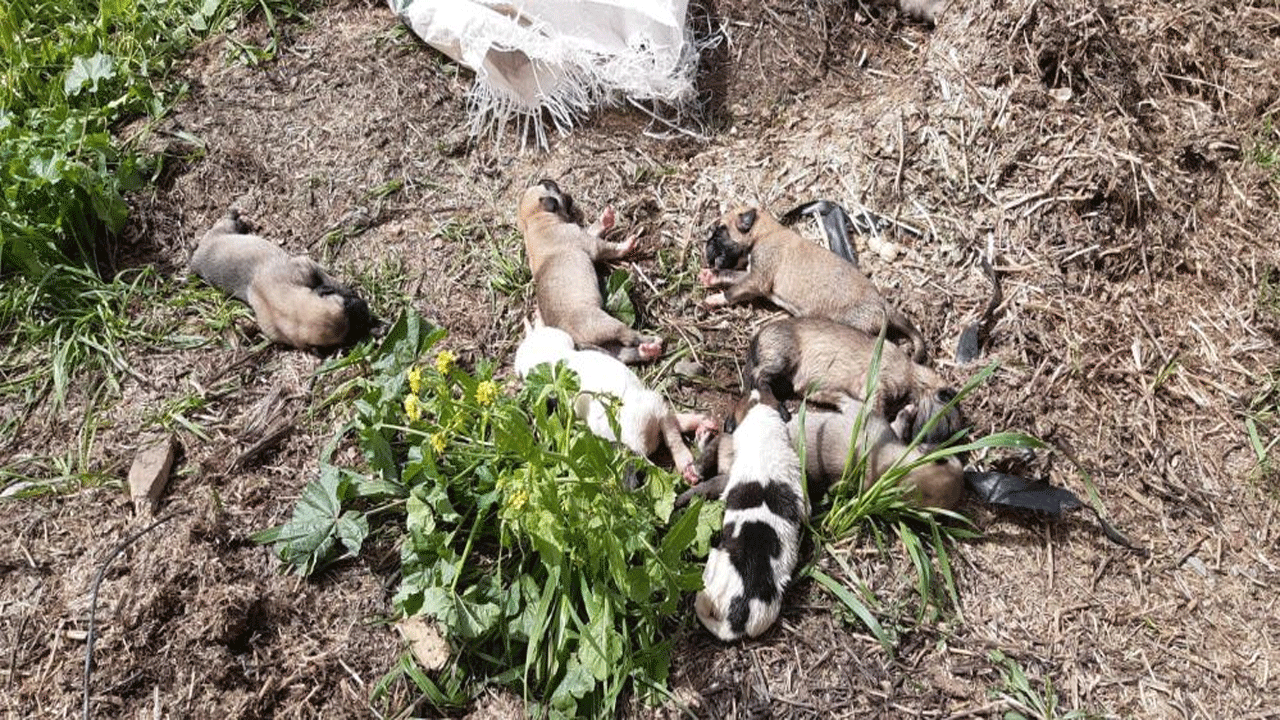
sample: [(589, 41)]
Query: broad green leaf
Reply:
[(617, 297), (308, 540), (88, 71)]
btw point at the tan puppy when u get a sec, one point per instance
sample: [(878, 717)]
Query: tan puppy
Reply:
[(829, 439), (294, 300), (937, 484), (562, 255), (824, 359), (798, 276)]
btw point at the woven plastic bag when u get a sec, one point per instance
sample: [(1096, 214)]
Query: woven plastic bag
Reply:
[(536, 60)]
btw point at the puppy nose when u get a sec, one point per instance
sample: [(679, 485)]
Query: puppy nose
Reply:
[(550, 185)]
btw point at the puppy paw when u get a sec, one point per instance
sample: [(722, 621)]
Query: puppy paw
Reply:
[(705, 430), (707, 277), (649, 350), (626, 247), (715, 301), (901, 424), (690, 473), (607, 219)]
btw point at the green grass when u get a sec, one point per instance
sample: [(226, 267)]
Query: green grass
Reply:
[(1029, 699), (885, 513), (1262, 428), (46, 472), (1266, 148), (71, 74)]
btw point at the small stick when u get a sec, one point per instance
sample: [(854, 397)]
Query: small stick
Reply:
[(93, 601)]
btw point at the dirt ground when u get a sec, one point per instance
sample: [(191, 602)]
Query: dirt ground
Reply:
[(1107, 155)]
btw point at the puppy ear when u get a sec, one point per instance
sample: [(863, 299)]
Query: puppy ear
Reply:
[(746, 221), (549, 204)]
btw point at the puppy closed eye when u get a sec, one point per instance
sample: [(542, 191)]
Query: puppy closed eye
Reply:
[(549, 204), (746, 221)]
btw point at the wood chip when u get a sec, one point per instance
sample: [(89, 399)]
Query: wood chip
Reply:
[(150, 472)]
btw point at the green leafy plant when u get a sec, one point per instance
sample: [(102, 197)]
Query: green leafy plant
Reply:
[(1025, 701), (71, 72), (518, 535), (617, 296)]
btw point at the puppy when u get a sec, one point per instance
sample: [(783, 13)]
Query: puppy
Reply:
[(643, 418), (562, 256), (294, 300), (796, 275), (826, 359), (829, 437), (747, 574)]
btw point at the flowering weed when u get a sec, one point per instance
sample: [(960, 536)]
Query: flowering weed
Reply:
[(518, 538)]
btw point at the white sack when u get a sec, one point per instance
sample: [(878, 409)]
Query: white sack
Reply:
[(561, 56)]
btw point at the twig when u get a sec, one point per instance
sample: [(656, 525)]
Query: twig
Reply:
[(93, 601), (902, 159), (973, 712), (13, 652), (273, 436)]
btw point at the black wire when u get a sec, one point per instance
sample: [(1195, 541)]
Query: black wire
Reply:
[(93, 601)]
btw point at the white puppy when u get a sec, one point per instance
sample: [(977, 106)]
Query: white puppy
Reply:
[(643, 417), (747, 574)]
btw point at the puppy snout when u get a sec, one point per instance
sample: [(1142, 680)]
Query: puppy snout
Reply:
[(550, 185)]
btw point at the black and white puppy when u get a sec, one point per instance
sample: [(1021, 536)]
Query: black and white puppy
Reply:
[(748, 572)]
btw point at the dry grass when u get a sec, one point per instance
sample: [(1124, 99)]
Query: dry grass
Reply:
[(1102, 153)]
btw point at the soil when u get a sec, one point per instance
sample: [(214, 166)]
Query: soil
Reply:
[(1111, 159)]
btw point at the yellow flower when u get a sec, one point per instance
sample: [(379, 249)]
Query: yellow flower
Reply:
[(438, 442), (444, 362), (517, 501), (486, 392), (413, 408), (415, 380)]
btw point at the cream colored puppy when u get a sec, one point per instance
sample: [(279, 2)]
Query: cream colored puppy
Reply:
[(643, 417)]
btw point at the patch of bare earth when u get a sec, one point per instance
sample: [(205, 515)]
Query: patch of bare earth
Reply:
[(1102, 152)]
